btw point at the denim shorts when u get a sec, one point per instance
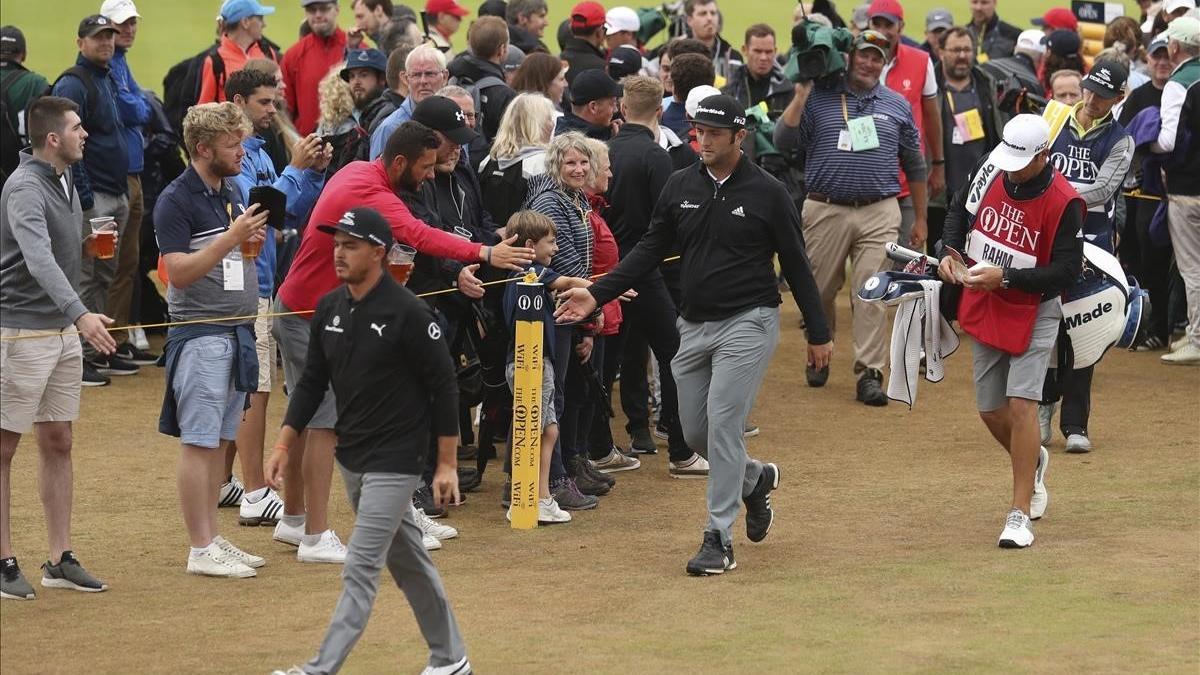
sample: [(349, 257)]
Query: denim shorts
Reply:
[(209, 407)]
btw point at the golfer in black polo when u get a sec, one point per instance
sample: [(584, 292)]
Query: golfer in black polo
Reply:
[(730, 218), (382, 350)]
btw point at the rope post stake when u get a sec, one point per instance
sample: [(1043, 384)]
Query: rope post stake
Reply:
[(527, 402)]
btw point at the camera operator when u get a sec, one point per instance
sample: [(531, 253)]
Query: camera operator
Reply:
[(852, 129)]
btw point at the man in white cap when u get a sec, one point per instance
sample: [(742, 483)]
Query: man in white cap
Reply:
[(1024, 63), (1179, 111), (1018, 225), (621, 27)]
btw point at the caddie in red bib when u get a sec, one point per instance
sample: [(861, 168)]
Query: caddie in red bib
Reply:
[(1018, 225)]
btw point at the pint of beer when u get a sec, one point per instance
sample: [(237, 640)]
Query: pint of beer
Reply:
[(400, 262), (104, 230), (251, 248)]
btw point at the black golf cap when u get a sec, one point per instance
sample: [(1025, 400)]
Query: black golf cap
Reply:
[(94, 25), (12, 40), (1106, 79), (720, 111), (363, 223), (593, 85), (442, 114)]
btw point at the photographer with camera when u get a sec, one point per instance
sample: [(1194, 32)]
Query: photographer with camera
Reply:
[(852, 129)]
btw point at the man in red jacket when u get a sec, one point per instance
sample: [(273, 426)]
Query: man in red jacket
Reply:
[(408, 160), (309, 60)]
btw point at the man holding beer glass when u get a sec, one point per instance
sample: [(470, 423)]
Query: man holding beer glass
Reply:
[(41, 249), (202, 226)]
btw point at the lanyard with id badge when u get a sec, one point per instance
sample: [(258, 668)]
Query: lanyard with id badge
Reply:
[(968, 125), (860, 133), (231, 264)]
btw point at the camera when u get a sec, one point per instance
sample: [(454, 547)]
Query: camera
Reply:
[(817, 52)]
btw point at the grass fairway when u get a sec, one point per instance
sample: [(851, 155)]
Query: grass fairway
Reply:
[(175, 29)]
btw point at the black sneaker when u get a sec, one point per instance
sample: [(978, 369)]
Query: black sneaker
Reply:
[(91, 378), (506, 495), (870, 388), (661, 431), (467, 452), (423, 499), (469, 478), (640, 443), (713, 558), (590, 469), (759, 514), (69, 574), (111, 365), (126, 351), (586, 484), (13, 585), (817, 377)]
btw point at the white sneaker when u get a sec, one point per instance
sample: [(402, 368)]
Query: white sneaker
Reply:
[(1078, 444), (431, 527), (1018, 531), (430, 542), (461, 667), (231, 493), (1182, 342), (294, 670), (1041, 498), (1046, 420), (285, 534), (247, 559), (214, 562), (550, 512), (328, 549), (1187, 355), (138, 337), (614, 461), (692, 467), (265, 511)]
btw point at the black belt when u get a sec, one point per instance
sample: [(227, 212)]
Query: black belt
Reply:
[(854, 203)]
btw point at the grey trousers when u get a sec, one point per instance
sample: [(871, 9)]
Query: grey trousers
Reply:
[(718, 369), (384, 532), (1183, 220), (96, 276)]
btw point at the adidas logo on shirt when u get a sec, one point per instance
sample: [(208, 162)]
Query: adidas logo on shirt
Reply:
[(739, 212)]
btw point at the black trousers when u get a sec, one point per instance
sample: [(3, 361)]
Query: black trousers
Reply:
[(1074, 388)]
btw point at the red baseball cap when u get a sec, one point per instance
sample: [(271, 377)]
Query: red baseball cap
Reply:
[(446, 7), (587, 15), (1058, 18), (888, 9)]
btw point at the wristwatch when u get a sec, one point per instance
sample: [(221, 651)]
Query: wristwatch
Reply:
[(1004, 278)]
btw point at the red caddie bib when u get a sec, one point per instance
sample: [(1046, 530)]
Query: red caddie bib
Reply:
[(1015, 234)]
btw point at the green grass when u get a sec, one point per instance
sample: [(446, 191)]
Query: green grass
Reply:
[(175, 29)]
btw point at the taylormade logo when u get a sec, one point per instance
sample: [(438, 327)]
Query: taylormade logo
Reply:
[(1077, 320), (710, 111)]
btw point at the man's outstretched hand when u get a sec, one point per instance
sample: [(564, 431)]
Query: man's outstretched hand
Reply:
[(574, 304)]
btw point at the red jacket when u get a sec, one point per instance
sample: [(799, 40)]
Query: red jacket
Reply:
[(304, 65), (234, 59), (604, 257), (359, 184)]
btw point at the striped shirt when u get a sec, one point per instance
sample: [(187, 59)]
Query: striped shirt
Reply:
[(868, 174)]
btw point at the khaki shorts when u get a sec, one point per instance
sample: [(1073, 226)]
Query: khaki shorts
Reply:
[(264, 344), (40, 379)]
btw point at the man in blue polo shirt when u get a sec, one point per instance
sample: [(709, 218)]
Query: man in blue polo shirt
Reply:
[(853, 131), (201, 224)]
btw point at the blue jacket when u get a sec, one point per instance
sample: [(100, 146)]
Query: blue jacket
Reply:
[(301, 189), (133, 108), (392, 122), (105, 162)]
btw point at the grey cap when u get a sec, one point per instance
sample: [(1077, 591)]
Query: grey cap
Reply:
[(938, 17), (860, 16)]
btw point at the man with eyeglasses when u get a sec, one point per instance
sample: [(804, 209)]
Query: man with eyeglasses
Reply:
[(425, 72)]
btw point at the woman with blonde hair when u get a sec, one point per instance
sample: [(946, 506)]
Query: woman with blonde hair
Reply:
[(518, 154), (336, 123)]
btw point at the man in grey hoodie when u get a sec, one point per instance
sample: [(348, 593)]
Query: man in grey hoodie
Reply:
[(41, 360)]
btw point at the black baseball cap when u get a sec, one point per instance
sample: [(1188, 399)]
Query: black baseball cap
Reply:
[(442, 114), (623, 61), (12, 41), (1106, 79), (363, 223), (94, 25), (720, 111), (1063, 42), (593, 85)]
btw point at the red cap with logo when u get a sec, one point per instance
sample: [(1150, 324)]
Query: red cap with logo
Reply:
[(587, 15), (888, 9), (446, 7), (1058, 18)]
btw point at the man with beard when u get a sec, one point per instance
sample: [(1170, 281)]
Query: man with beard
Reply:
[(373, 185), (201, 224), (366, 71), (309, 60), (731, 218), (425, 72)]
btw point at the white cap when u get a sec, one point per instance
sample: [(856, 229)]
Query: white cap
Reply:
[(1024, 137), (119, 11), (1185, 29), (696, 95), (1172, 6), (622, 19), (1031, 40)]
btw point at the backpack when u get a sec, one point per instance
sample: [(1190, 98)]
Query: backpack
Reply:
[(181, 86), (504, 190), (475, 88), (11, 138), (348, 146)]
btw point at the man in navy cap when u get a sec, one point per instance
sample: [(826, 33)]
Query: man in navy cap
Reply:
[(366, 71), (730, 218), (594, 97)]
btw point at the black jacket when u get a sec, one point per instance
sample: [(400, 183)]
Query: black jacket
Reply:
[(1016, 71), (389, 101), (999, 39), (581, 55), (525, 41), (467, 69), (640, 169), (728, 235), (374, 112), (725, 58), (572, 122), (778, 91), (391, 373)]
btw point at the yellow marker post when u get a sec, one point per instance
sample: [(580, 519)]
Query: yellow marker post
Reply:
[(527, 402)]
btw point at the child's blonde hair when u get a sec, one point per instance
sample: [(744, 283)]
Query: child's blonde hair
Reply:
[(529, 226)]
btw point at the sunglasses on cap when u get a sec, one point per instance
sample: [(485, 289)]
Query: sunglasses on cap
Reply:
[(873, 38)]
